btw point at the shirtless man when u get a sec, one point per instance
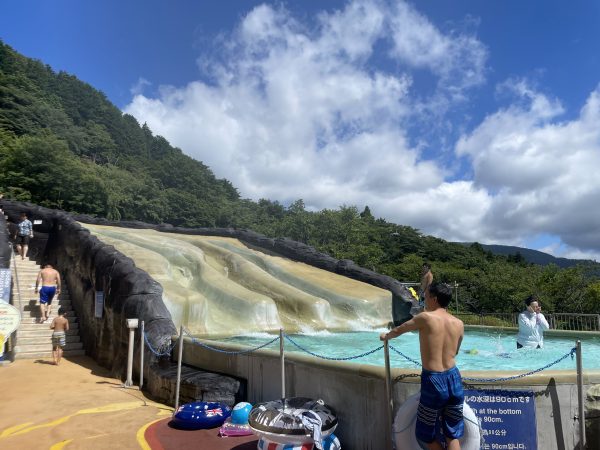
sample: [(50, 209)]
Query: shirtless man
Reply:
[(60, 325), (426, 280), (50, 279), (440, 336)]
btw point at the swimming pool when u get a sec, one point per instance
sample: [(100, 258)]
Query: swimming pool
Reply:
[(480, 350)]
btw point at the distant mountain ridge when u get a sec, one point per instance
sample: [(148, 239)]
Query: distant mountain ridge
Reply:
[(532, 256)]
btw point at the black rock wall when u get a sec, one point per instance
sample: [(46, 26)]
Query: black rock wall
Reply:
[(87, 266), (5, 250)]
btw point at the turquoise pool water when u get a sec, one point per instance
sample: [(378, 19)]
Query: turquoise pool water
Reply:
[(479, 350)]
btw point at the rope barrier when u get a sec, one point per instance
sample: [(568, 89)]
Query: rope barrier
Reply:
[(196, 341), (156, 352), (515, 377), (414, 361), (492, 380), (348, 358), (228, 352)]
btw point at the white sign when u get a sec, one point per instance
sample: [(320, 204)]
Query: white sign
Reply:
[(37, 222), (10, 318), (99, 305)]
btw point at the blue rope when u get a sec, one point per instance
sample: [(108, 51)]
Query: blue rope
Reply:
[(348, 358), (414, 361), (240, 352), (514, 377), (491, 380), (156, 352)]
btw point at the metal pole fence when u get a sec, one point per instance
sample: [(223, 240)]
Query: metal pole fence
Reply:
[(141, 355), (282, 361), (580, 396), (388, 393), (179, 358)]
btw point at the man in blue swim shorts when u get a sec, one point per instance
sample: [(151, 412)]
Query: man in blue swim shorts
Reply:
[(50, 280), (440, 336)]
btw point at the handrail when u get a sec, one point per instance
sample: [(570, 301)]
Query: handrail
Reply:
[(17, 278)]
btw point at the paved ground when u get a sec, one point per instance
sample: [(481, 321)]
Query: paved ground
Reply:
[(160, 436), (78, 405)]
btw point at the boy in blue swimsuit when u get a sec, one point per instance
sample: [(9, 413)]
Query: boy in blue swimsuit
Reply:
[(440, 336)]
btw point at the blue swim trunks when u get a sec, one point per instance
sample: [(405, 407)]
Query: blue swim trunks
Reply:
[(47, 294), (441, 395)]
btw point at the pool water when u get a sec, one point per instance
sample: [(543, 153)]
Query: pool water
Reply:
[(479, 351)]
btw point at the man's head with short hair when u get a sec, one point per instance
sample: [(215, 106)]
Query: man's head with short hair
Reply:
[(47, 266), (61, 311), (426, 266), (442, 292), (23, 215)]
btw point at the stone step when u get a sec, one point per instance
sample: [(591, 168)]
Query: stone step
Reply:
[(31, 325), (48, 354), (34, 316), (42, 333), (33, 305), (35, 340), (44, 347)]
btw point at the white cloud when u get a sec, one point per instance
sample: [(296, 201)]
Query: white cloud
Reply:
[(458, 60), (541, 171), (288, 111), (298, 112), (139, 86)]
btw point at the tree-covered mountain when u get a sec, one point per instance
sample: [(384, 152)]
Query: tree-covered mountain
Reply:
[(519, 254), (64, 145)]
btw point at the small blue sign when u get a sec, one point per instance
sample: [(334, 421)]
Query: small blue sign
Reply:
[(507, 418), (99, 304), (5, 284)]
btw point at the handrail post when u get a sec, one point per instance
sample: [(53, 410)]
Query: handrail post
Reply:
[(388, 394), (580, 396), (141, 355), (179, 358), (282, 362)]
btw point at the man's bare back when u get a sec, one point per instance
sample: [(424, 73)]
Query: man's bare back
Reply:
[(49, 277), (440, 336)]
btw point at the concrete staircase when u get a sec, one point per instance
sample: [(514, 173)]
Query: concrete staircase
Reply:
[(34, 340)]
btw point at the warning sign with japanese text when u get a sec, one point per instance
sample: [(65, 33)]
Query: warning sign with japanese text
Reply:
[(507, 418)]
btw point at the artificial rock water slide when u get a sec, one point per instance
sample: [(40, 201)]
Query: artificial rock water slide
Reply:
[(219, 286), (90, 265)]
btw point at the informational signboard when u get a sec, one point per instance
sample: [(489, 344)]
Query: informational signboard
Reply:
[(507, 418), (99, 304), (37, 222), (5, 282), (10, 318)]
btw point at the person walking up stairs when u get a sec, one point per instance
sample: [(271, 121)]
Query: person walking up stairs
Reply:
[(34, 339)]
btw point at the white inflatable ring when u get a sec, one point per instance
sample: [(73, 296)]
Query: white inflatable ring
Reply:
[(406, 419)]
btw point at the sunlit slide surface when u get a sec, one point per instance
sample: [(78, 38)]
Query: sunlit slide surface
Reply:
[(218, 286)]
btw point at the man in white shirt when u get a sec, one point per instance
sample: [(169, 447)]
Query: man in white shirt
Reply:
[(532, 324)]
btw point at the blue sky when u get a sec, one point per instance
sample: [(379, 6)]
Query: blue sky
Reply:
[(469, 120)]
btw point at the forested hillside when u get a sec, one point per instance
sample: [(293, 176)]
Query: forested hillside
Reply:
[(64, 145)]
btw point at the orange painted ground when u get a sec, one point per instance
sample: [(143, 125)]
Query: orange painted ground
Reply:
[(78, 405)]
